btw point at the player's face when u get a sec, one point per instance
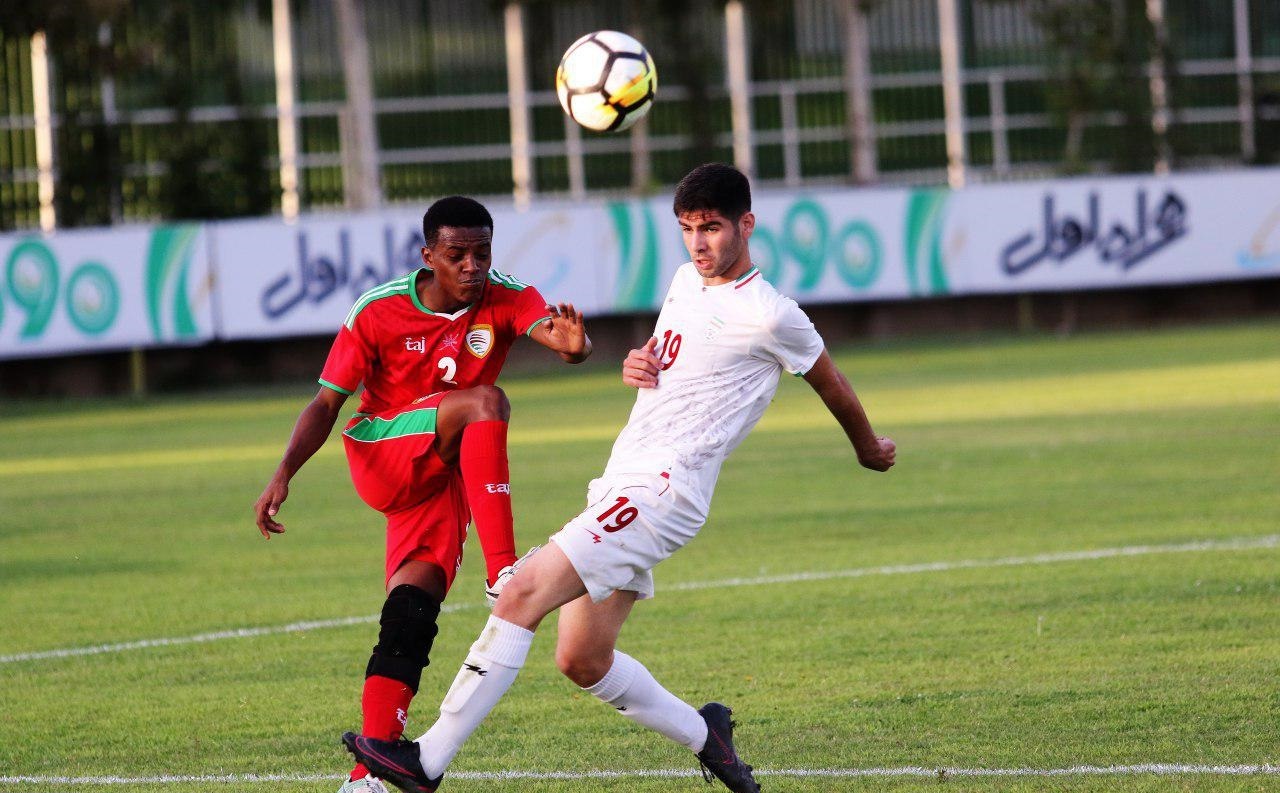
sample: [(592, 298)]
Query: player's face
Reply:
[(460, 259), (717, 245)]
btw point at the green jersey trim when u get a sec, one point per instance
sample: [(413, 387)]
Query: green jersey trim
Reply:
[(747, 274), (337, 388), (508, 281), (372, 429), (399, 286), (529, 331), (413, 295)]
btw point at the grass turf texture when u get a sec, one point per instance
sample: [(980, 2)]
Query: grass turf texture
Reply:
[(124, 521)]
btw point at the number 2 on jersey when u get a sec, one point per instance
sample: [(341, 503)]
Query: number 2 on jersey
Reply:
[(621, 520), (450, 368)]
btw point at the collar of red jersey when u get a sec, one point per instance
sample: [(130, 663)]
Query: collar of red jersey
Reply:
[(413, 295)]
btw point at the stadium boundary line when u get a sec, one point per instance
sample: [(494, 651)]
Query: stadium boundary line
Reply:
[(1235, 544), (1143, 769)]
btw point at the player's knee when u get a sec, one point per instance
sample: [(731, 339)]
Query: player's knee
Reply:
[(583, 666), (490, 403), (408, 629)]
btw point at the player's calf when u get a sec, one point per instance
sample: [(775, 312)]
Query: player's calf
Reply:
[(407, 631)]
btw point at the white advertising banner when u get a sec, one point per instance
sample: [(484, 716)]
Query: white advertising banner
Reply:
[(280, 280), (78, 291), (1113, 232), (81, 291)]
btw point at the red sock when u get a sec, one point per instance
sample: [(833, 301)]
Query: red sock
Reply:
[(385, 703), (487, 479)]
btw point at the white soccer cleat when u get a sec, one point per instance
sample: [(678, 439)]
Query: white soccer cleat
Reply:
[(368, 784), (491, 591)]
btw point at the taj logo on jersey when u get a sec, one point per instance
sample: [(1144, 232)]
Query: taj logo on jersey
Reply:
[(480, 340), (418, 345)]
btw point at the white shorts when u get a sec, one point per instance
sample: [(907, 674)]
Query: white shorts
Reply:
[(631, 523)]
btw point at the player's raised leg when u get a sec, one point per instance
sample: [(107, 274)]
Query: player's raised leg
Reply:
[(586, 653), (471, 431), (546, 582)]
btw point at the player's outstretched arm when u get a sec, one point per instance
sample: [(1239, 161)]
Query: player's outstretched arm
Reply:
[(874, 451), (565, 333), (309, 434)]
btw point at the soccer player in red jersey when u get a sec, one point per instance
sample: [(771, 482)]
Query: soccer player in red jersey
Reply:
[(428, 447)]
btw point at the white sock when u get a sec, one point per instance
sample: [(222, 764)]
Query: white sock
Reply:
[(490, 669), (630, 688)]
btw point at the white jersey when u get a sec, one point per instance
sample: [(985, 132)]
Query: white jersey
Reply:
[(722, 350)]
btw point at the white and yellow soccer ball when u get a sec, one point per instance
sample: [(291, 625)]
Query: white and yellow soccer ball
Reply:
[(606, 81)]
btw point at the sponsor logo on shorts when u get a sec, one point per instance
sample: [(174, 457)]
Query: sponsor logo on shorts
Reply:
[(501, 487), (480, 340)]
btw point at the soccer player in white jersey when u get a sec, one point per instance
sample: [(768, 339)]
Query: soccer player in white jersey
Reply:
[(723, 339)]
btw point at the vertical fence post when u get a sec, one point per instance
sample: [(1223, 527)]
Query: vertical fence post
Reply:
[(518, 94), (735, 29), (1159, 88), (791, 171), (111, 118), (1244, 80), (42, 103), (857, 91), (286, 119), (361, 182), (952, 90), (573, 154), (999, 126)]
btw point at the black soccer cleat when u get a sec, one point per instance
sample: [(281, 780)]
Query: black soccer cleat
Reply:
[(718, 757), (392, 761)]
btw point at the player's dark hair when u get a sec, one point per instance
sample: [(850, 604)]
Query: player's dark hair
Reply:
[(457, 212), (714, 186)]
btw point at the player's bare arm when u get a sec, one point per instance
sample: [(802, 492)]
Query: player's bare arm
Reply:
[(874, 451), (309, 434), (565, 333), (641, 366)]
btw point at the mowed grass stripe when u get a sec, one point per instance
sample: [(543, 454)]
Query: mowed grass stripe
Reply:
[(1236, 544), (1143, 390), (941, 774)]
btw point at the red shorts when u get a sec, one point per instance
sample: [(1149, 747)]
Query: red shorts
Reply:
[(396, 471)]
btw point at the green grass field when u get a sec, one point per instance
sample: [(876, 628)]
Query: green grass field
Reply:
[(942, 615)]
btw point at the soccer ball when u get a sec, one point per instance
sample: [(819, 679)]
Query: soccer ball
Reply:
[(606, 81)]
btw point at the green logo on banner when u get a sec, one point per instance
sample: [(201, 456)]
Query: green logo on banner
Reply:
[(638, 244), (926, 269), (33, 277), (168, 265)]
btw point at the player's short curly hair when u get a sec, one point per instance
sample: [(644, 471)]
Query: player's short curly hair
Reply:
[(455, 211), (714, 186)]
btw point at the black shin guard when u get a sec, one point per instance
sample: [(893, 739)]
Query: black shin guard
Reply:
[(404, 640)]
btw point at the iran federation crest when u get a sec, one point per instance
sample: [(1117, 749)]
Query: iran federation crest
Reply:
[(480, 340)]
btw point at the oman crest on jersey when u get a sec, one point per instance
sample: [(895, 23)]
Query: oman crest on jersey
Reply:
[(480, 340)]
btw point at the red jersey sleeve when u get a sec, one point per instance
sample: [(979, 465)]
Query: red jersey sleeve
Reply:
[(348, 362), (530, 309)]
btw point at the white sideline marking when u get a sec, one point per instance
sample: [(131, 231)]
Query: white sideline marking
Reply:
[(1237, 544), (1151, 769)]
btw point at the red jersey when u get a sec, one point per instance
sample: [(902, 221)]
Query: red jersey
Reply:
[(402, 351)]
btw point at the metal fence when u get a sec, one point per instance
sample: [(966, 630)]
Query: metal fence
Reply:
[(195, 119)]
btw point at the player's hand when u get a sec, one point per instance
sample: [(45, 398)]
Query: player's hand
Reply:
[(567, 334), (882, 457), (267, 507), (641, 367)]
